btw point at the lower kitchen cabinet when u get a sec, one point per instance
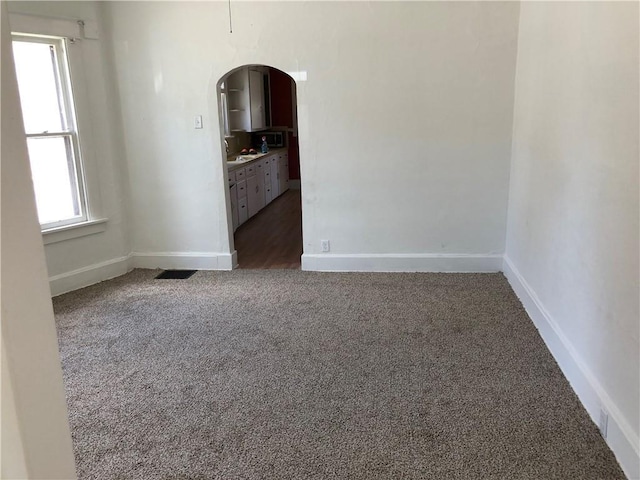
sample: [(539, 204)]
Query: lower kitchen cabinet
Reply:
[(238, 195), (255, 194), (268, 194), (275, 177), (283, 170), (233, 197), (243, 211), (257, 184)]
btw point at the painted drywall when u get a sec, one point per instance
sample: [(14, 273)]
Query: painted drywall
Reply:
[(572, 238), (80, 261), (405, 120), (36, 440)]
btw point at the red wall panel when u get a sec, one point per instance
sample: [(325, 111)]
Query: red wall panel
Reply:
[(282, 115)]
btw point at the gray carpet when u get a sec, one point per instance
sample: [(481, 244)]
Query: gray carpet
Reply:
[(294, 375)]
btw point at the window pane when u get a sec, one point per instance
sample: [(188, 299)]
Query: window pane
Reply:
[(38, 82), (54, 177)]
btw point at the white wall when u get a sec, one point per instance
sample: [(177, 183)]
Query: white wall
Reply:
[(82, 261), (36, 441), (405, 125), (572, 241)]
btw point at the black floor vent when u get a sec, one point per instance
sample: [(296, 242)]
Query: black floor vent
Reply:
[(176, 274)]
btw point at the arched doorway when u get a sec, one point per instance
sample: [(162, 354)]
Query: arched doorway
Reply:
[(258, 112)]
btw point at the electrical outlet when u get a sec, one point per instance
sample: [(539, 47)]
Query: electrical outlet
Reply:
[(198, 121), (603, 424), (324, 245)]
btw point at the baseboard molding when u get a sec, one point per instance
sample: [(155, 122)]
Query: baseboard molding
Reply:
[(184, 260), (89, 275), (620, 435), (326, 262)]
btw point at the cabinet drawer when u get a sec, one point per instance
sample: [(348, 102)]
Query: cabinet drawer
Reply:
[(240, 174), (241, 189), (232, 178), (250, 170), (243, 213)]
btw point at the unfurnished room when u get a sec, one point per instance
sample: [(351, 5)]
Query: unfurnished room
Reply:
[(311, 239)]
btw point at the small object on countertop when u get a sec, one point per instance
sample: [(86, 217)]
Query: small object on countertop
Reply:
[(252, 151), (265, 147), (244, 151)]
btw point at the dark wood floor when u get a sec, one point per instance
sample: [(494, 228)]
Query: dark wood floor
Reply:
[(272, 238)]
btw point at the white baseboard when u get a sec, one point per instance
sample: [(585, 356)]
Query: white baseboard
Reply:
[(83, 277), (234, 260), (620, 435), (327, 262), (184, 260)]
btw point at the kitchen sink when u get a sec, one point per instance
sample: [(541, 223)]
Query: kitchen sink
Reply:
[(244, 158)]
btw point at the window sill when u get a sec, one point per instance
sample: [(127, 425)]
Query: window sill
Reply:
[(77, 230)]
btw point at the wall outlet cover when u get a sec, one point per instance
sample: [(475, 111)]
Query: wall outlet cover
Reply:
[(324, 246)]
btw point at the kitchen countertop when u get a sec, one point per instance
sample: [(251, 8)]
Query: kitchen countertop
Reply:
[(233, 164)]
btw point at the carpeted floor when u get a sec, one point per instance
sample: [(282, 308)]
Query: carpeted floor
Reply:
[(293, 375)]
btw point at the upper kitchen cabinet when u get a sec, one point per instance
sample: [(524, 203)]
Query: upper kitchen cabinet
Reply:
[(246, 100)]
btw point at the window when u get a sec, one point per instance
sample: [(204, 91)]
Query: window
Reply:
[(46, 98)]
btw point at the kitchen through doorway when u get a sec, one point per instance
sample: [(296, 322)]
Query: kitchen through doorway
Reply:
[(258, 108)]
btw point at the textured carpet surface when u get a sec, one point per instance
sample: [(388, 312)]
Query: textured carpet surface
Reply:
[(294, 375)]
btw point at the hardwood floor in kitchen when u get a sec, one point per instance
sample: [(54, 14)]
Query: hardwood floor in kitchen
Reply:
[(273, 238)]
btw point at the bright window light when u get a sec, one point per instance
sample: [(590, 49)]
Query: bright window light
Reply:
[(49, 122)]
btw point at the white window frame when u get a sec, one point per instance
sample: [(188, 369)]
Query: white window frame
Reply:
[(70, 133), (75, 32)]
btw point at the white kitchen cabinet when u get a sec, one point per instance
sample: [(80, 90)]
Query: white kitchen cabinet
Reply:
[(256, 101), (243, 210), (245, 100), (257, 183), (234, 207), (268, 195), (275, 180), (240, 196), (255, 194), (283, 172), (241, 188)]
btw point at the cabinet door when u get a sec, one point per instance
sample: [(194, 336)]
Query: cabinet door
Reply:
[(267, 193), (267, 185), (254, 192), (260, 167), (284, 173), (275, 181), (241, 189), (234, 206), (256, 90), (243, 214)]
